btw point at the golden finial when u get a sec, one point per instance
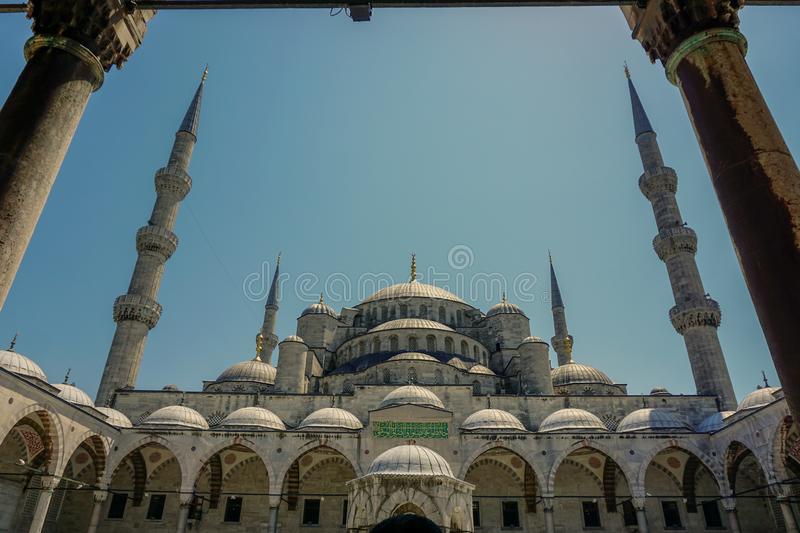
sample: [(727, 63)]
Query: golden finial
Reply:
[(627, 70), (413, 267), (259, 345), (205, 74), (13, 342)]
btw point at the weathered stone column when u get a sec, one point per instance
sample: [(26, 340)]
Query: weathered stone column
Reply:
[(755, 177), (183, 515), (48, 485), (549, 523), (788, 514), (99, 499), (74, 43), (273, 519), (729, 504), (641, 515)]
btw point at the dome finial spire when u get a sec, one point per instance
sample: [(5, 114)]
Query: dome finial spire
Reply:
[(259, 346), (413, 266), (13, 342), (504, 299), (321, 298), (192, 117), (626, 69), (66, 376), (764, 377)]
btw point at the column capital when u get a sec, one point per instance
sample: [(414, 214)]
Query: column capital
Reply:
[(729, 503), (547, 503), (71, 46), (100, 496), (49, 482)]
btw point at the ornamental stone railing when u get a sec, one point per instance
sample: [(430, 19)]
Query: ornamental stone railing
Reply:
[(696, 313), (156, 239), (671, 241), (172, 180), (138, 308), (661, 180)]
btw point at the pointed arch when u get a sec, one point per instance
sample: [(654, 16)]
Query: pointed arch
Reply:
[(713, 466), (598, 447)]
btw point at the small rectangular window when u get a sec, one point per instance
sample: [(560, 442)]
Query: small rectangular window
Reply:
[(344, 512), (117, 507), (233, 509), (311, 512), (476, 514), (711, 514), (155, 510), (629, 513), (672, 515), (591, 514), (510, 514)]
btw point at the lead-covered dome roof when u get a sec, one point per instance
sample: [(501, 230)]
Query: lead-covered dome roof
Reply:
[(19, 364), (253, 417), (572, 420), (413, 356), (504, 308), (714, 422), (410, 460), (73, 394), (115, 418), (412, 289), (492, 420), (411, 394), (757, 398), (410, 323), (650, 419), (330, 418), (574, 373), (176, 416), (253, 370), (480, 369), (319, 308)]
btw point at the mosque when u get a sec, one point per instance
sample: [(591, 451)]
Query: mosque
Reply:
[(412, 401)]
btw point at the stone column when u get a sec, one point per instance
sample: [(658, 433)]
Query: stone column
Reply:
[(48, 485), (729, 504), (183, 515), (549, 524), (67, 56), (99, 499), (273, 519), (755, 176), (788, 514)]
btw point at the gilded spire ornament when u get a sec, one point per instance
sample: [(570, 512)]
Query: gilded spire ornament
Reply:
[(259, 346)]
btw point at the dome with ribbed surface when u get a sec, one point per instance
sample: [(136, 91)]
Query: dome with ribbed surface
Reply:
[(73, 394), (413, 356), (293, 338), (576, 373), (413, 289), (480, 369), (504, 308), (492, 420), (252, 417), (410, 460), (458, 363), (572, 420), (253, 370), (319, 308), (411, 394), (410, 323), (714, 422), (650, 419), (115, 418), (176, 415), (330, 418), (532, 339), (19, 364), (758, 398)]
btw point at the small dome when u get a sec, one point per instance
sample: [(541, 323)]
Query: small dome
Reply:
[(504, 308), (492, 420), (411, 394), (532, 339), (253, 370), (330, 418), (757, 398), (410, 323), (480, 369), (458, 363), (252, 417), (319, 308), (572, 420), (650, 419), (176, 415), (574, 373), (410, 460), (413, 289), (413, 356), (293, 338), (19, 364), (73, 394), (714, 422), (170, 387), (115, 418), (660, 391)]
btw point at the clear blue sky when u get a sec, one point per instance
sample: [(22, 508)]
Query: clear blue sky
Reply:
[(347, 146)]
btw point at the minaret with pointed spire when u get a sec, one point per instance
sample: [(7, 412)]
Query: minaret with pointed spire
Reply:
[(562, 340), (267, 333), (695, 315), (137, 312)]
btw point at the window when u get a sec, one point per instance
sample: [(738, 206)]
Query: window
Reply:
[(711, 514), (591, 514), (233, 509), (155, 510), (464, 348), (403, 310), (376, 345), (344, 512), (448, 345), (510, 514), (476, 514), (423, 311), (311, 512), (629, 513), (458, 317), (476, 387), (672, 516), (362, 348), (475, 352), (387, 376), (393, 343), (438, 377), (442, 317), (117, 507), (412, 375), (412, 344), (431, 340)]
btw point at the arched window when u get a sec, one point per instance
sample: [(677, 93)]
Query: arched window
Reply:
[(438, 377), (442, 315), (423, 311), (475, 352), (403, 310), (387, 376), (412, 343), (431, 343), (385, 312), (464, 348), (394, 344), (497, 388), (448, 345), (325, 388), (412, 375), (476, 387), (459, 317), (376, 345), (485, 360), (393, 312), (362, 348), (347, 387)]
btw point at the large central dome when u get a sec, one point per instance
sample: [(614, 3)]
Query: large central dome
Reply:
[(413, 289)]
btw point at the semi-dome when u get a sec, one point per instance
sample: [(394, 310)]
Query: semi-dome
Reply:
[(480, 369), (650, 419), (757, 398), (170, 387), (412, 289), (660, 391), (176, 415), (330, 418), (252, 417), (293, 338), (410, 323), (411, 394), (319, 308), (532, 339), (714, 422), (73, 394), (19, 364), (504, 308), (253, 370), (115, 418), (458, 363), (492, 420), (413, 356), (410, 460), (573, 373), (571, 420)]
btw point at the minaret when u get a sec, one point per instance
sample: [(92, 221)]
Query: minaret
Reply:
[(695, 315), (562, 340), (267, 333), (137, 312)]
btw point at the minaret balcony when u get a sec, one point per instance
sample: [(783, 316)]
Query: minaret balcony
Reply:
[(694, 314), (156, 239), (172, 180), (675, 240), (659, 181), (138, 308)]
